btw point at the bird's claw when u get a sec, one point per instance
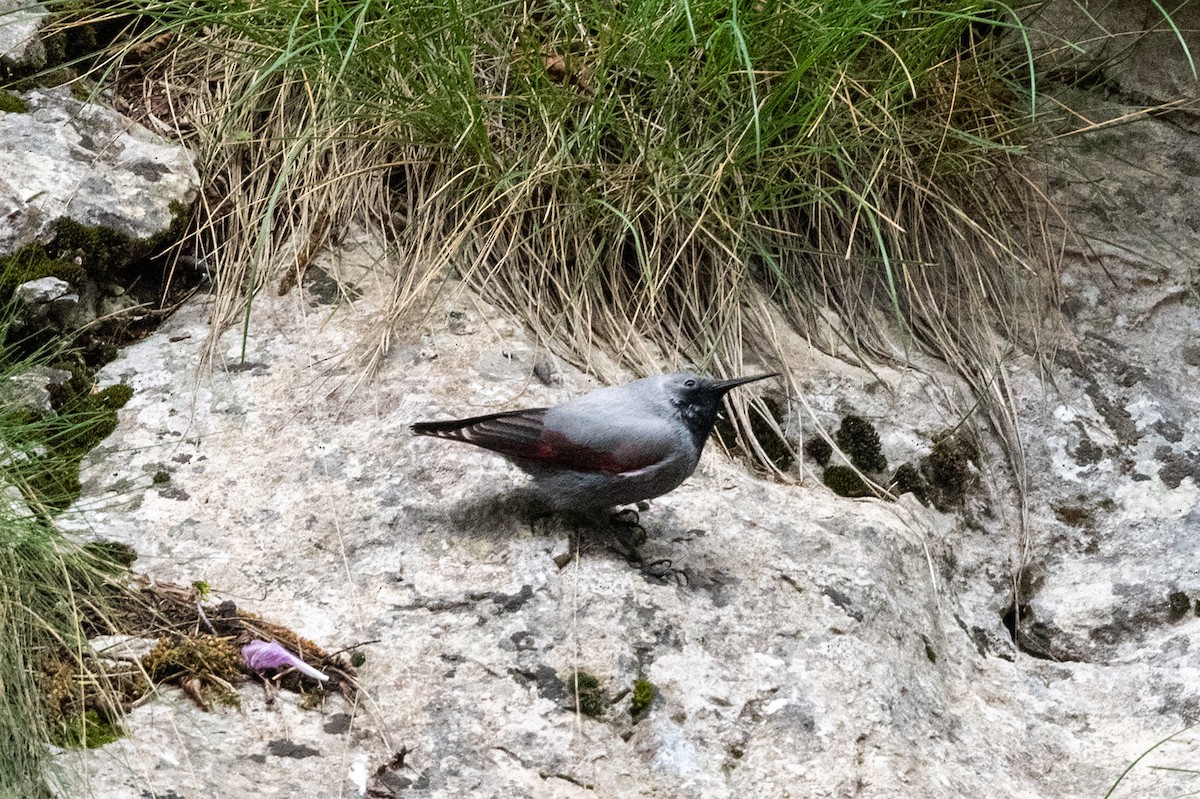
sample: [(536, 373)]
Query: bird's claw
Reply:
[(663, 571), (626, 517), (629, 531)]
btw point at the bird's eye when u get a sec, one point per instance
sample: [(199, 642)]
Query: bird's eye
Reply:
[(689, 383)]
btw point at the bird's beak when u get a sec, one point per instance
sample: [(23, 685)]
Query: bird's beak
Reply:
[(725, 385)]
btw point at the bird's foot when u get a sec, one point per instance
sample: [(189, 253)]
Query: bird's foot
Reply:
[(626, 517), (628, 528), (663, 571)]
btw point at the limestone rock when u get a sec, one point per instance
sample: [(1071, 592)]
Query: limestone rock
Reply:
[(20, 46), (800, 644), (67, 158), (1143, 48), (30, 388), (1114, 450), (48, 302)]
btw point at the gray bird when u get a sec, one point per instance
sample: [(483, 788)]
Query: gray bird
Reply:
[(612, 446)]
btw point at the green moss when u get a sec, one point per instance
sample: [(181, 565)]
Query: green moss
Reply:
[(909, 480), (32, 262), (776, 448), (85, 730), (81, 250), (859, 440), (111, 556), (948, 470), (586, 693), (12, 104), (202, 588), (43, 78), (84, 420), (643, 696), (206, 656), (204, 666), (102, 250), (845, 482), (114, 397), (819, 450)]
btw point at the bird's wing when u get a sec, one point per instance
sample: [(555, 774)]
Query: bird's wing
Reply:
[(524, 436), (601, 440), (512, 433)]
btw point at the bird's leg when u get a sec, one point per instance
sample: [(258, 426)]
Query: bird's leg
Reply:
[(539, 518), (630, 535), (627, 535), (627, 525)]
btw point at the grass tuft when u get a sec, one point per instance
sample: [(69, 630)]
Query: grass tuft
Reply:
[(615, 171), (670, 181)]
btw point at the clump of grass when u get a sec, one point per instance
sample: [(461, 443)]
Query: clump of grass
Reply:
[(50, 592), (619, 172), (668, 180), (53, 592)]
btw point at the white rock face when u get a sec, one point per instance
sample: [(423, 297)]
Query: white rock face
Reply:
[(64, 157), (43, 290), (20, 21), (820, 647), (30, 388), (1114, 448)]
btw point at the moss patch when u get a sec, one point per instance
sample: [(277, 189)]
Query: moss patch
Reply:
[(859, 440), (819, 450), (205, 656), (87, 730), (12, 104), (83, 419), (204, 666), (82, 707), (586, 693), (845, 482), (101, 250), (909, 480), (948, 469), (33, 262), (92, 259), (643, 696)]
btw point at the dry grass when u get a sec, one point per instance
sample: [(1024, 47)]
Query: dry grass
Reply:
[(660, 179)]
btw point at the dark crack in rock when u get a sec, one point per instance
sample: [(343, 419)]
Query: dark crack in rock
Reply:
[(281, 747)]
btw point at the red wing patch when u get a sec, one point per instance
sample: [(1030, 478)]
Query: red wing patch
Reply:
[(522, 435), (554, 449)]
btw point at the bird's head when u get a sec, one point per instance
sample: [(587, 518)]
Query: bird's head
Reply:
[(698, 399)]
